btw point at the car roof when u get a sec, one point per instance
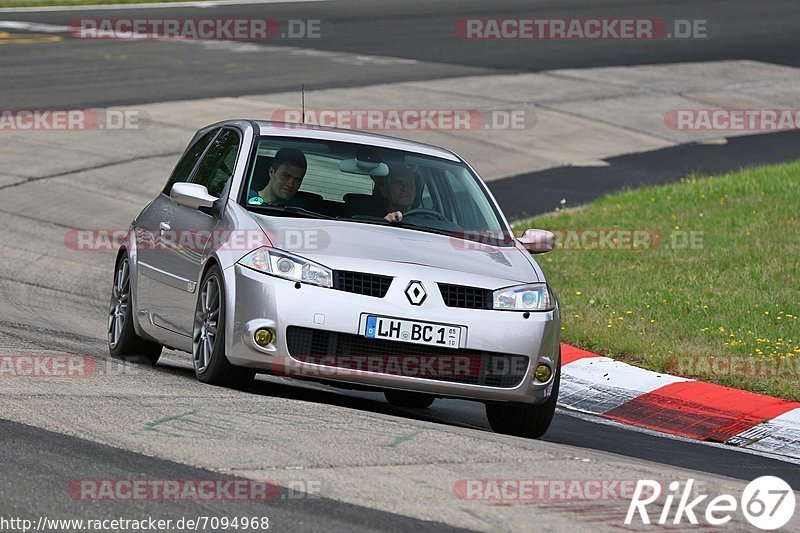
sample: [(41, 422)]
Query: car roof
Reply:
[(310, 131)]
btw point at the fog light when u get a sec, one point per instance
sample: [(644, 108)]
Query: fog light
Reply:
[(542, 373), (264, 337)]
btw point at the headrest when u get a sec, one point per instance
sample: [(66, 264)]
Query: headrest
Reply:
[(261, 172)]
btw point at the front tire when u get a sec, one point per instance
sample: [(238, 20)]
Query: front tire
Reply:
[(123, 342), (208, 336), (530, 421), (409, 400)]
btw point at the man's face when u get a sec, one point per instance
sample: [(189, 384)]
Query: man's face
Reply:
[(284, 182), (400, 191)]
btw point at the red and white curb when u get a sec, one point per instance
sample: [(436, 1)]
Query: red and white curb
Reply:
[(678, 406)]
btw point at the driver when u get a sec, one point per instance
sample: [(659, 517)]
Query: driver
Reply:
[(285, 176), (400, 190)]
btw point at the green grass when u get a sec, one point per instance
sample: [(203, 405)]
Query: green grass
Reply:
[(736, 297), (38, 3)]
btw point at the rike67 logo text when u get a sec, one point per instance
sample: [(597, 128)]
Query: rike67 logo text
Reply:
[(767, 503)]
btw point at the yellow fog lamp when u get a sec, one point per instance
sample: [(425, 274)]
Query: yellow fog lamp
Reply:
[(542, 373), (264, 337)]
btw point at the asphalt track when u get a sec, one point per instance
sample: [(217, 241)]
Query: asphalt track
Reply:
[(657, 167), (29, 491), (79, 73)]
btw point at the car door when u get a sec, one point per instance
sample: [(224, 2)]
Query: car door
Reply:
[(183, 235), (146, 226)]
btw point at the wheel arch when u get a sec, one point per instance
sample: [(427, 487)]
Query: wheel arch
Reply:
[(210, 262), (134, 282), (228, 289)]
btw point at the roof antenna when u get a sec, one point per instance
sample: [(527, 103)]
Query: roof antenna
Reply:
[(303, 100)]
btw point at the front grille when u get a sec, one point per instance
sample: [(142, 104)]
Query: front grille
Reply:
[(354, 352), (466, 297), (360, 283)]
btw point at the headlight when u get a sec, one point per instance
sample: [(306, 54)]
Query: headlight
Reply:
[(531, 297), (288, 266)]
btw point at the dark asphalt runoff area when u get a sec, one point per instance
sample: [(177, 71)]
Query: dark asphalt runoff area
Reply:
[(37, 468), (536, 193), (104, 72)]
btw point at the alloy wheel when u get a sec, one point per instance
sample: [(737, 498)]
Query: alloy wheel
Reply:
[(206, 321), (120, 300)]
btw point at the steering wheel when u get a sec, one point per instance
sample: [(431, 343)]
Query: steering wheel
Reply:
[(425, 213)]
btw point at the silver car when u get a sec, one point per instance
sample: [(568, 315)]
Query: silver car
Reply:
[(359, 260)]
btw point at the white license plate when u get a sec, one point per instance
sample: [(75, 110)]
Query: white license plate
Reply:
[(395, 329)]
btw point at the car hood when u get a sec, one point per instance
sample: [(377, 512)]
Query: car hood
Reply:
[(324, 239)]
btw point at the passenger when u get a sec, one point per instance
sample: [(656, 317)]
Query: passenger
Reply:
[(399, 189), (285, 177)]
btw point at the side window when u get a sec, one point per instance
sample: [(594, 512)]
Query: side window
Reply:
[(430, 196), (431, 181), (467, 213), (427, 200), (217, 166), (188, 161)]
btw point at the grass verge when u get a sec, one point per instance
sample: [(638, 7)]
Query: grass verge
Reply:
[(711, 290)]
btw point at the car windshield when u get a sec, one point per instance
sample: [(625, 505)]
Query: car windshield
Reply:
[(364, 184)]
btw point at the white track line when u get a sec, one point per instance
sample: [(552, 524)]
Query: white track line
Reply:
[(155, 5), (599, 384), (235, 46)]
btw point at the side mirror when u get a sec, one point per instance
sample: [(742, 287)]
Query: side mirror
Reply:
[(191, 195), (538, 241)]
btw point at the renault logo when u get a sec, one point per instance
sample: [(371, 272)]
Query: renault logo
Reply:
[(415, 293)]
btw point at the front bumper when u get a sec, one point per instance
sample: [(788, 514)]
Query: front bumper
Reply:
[(256, 300)]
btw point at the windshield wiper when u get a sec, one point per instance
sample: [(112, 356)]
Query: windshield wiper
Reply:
[(303, 211), (290, 209), (428, 229), (366, 219)]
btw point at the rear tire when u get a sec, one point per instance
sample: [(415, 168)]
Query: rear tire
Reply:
[(530, 421), (123, 342), (208, 336), (409, 400)]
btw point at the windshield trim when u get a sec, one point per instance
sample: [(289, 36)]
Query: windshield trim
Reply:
[(304, 214), (505, 235)]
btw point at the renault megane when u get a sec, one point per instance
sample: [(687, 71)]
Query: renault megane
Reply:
[(356, 259)]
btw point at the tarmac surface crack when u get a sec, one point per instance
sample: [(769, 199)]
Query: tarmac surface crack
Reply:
[(36, 219), (49, 338), (608, 123), (92, 167), (40, 286)]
